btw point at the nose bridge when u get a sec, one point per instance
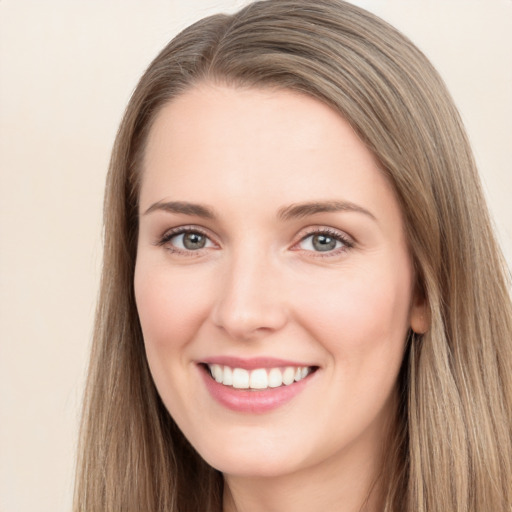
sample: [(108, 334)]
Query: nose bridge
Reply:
[(250, 298)]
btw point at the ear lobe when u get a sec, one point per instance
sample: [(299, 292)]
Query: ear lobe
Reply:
[(420, 314)]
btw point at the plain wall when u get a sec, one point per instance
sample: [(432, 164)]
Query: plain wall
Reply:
[(67, 69)]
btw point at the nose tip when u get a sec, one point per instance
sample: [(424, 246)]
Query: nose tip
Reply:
[(250, 305)]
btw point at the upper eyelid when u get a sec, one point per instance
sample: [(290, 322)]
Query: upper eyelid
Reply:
[(348, 242), (179, 230), (313, 230), (300, 236)]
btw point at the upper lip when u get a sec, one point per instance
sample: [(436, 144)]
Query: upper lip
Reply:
[(252, 363)]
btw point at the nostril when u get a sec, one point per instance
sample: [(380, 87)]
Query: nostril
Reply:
[(248, 321)]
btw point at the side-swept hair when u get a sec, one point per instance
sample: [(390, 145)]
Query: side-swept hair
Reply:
[(452, 449)]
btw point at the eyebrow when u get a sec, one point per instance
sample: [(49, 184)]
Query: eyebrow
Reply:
[(182, 207), (294, 211), (297, 211)]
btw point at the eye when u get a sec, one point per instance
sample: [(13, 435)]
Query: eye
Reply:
[(190, 241), (324, 242), (185, 240)]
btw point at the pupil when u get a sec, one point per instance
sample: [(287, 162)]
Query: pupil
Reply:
[(324, 243), (194, 241)]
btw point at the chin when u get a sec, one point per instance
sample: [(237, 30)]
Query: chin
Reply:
[(251, 457), (261, 466)]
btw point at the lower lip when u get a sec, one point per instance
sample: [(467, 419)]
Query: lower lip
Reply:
[(253, 401)]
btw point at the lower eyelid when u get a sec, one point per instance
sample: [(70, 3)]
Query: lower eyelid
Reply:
[(166, 241)]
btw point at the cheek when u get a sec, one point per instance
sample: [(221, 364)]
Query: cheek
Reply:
[(171, 306), (363, 314), (171, 309)]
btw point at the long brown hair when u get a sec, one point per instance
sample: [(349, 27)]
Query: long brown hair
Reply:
[(452, 449)]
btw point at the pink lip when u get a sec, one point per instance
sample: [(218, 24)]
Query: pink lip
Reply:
[(252, 363), (253, 401)]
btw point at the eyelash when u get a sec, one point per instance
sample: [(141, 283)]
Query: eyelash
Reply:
[(346, 242), (169, 235)]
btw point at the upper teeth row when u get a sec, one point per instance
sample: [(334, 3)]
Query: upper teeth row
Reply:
[(261, 378)]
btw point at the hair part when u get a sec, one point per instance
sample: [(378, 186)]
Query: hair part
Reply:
[(452, 448)]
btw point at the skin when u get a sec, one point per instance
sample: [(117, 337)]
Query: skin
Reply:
[(259, 287)]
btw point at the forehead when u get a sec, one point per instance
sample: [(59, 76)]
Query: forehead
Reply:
[(243, 145), (256, 119)]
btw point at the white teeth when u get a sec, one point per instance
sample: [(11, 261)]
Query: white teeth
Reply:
[(240, 378), (228, 376), (288, 375), (275, 378), (217, 372), (260, 378)]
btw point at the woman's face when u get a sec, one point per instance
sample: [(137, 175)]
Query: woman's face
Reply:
[(272, 255)]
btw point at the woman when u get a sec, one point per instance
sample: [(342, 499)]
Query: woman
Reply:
[(303, 305)]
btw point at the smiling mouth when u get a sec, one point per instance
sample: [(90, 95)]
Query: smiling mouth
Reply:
[(259, 378)]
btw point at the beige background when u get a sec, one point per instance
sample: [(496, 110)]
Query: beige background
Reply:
[(67, 69)]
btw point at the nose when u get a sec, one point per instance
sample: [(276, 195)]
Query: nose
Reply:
[(251, 298)]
